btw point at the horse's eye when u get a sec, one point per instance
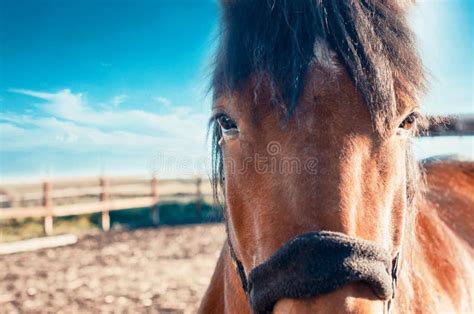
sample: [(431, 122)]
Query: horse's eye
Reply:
[(227, 124), (409, 122)]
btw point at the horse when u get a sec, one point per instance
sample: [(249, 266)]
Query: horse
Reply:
[(315, 105)]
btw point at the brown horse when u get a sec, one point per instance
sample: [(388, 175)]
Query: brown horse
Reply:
[(315, 104)]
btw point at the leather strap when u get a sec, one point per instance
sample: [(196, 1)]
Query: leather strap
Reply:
[(239, 268)]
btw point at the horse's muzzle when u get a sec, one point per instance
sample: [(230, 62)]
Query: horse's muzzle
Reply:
[(317, 263)]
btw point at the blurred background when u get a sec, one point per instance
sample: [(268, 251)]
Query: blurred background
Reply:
[(103, 120)]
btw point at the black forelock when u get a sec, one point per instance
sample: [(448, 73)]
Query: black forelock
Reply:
[(275, 39)]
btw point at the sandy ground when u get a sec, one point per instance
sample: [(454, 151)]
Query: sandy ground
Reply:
[(162, 270)]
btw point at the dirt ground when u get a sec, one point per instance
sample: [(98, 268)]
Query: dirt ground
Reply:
[(163, 270)]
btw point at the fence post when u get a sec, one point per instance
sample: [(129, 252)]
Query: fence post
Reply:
[(48, 219), (155, 214), (198, 197), (104, 197), (12, 200)]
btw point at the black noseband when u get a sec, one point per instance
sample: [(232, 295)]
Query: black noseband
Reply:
[(317, 263)]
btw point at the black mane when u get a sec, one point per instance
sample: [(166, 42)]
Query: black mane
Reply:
[(275, 39)]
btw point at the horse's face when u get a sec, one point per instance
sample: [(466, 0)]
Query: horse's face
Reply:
[(323, 169)]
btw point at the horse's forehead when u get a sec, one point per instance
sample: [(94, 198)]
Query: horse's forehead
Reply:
[(322, 72), (325, 76), (325, 57)]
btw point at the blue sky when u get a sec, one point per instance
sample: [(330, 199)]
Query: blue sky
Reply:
[(119, 87)]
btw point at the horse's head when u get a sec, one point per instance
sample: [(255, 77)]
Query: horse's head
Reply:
[(315, 103)]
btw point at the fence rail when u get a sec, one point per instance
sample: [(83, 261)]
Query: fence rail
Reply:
[(110, 194)]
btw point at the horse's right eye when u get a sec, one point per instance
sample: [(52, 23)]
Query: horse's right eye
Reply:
[(409, 121), (227, 124)]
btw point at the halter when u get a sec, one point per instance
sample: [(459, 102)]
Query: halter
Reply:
[(302, 268)]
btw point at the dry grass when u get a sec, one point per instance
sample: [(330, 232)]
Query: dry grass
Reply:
[(21, 229)]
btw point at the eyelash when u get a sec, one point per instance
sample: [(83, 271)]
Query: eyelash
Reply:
[(409, 121), (226, 124)]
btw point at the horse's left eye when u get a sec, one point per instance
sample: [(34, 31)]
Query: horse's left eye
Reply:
[(409, 122)]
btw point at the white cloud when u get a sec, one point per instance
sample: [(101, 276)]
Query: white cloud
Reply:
[(163, 100), (66, 121), (63, 104), (118, 100)]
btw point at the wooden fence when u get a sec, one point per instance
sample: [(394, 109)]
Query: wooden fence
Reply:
[(66, 198)]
